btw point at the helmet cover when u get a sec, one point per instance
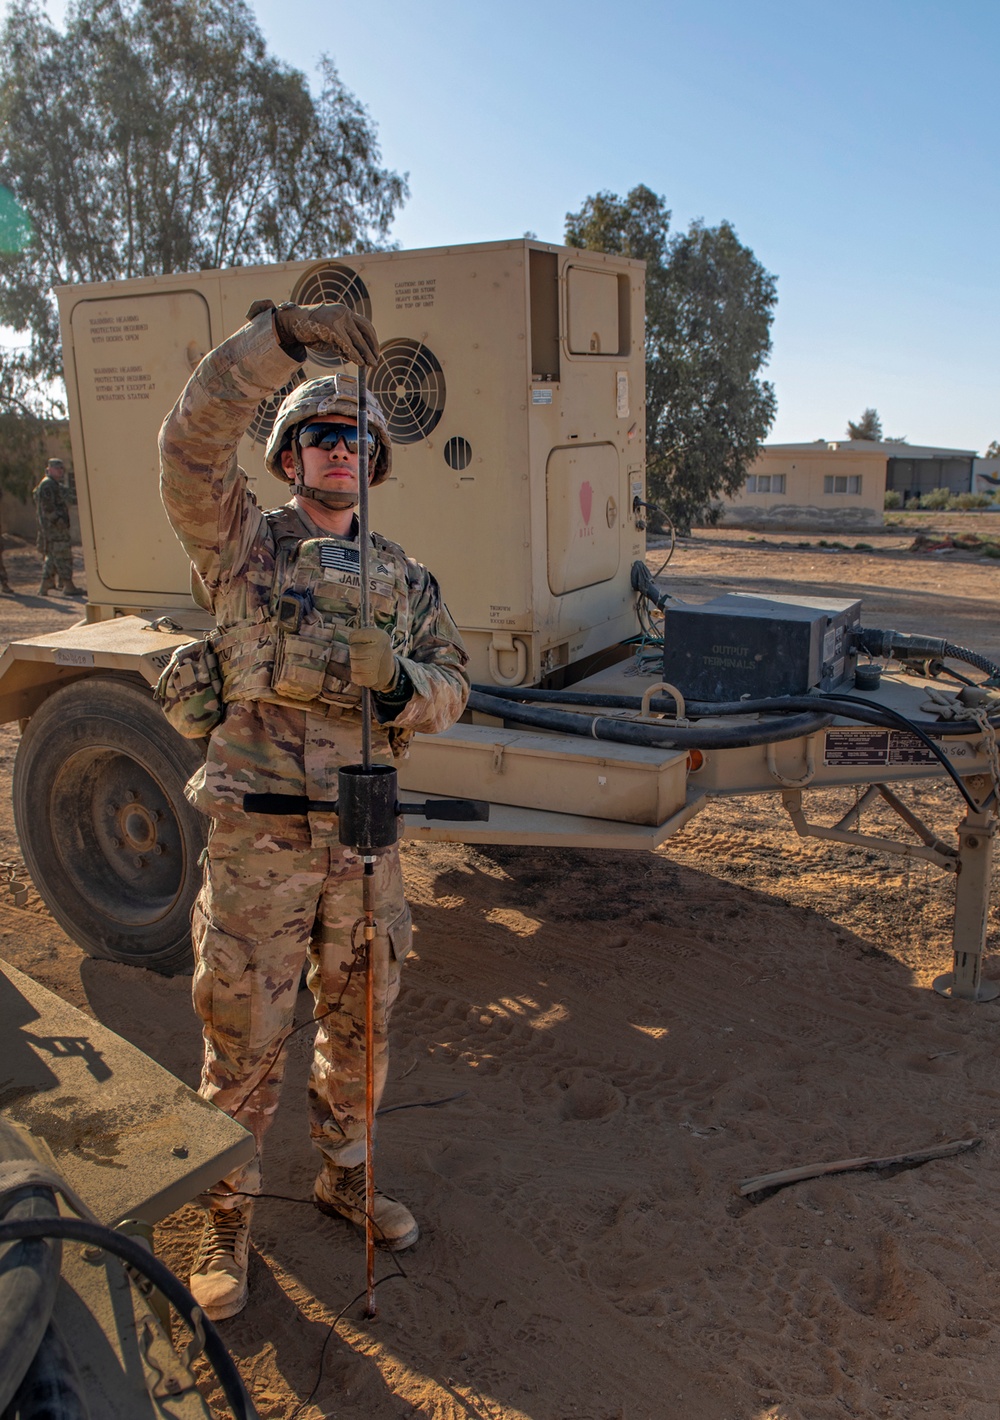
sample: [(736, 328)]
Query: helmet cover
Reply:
[(330, 396)]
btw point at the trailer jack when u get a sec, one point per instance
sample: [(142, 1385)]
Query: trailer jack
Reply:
[(970, 862)]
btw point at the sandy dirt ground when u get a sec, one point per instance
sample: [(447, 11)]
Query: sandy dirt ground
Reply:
[(630, 1036)]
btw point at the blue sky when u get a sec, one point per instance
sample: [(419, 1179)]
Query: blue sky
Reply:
[(853, 146)]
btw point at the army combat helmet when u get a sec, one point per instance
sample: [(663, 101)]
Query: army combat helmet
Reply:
[(324, 398)]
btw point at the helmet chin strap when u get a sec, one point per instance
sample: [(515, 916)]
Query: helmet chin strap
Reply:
[(327, 497)]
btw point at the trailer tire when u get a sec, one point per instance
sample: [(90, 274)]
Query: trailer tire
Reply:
[(108, 837)]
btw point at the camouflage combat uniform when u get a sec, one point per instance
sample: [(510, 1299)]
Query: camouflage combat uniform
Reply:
[(52, 509), (279, 892)]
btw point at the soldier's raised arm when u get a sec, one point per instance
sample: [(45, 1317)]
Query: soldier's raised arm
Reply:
[(204, 490)]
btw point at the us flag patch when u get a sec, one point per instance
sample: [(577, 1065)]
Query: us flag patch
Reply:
[(342, 559)]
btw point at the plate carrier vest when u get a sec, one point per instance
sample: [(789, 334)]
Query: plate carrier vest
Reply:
[(291, 648)]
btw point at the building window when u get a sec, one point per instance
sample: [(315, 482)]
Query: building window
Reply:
[(842, 483), (765, 483)]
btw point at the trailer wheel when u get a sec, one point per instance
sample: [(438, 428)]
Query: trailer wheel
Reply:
[(108, 838)]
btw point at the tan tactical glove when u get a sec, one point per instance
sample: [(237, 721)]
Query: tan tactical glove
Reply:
[(333, 330), (372, 660)]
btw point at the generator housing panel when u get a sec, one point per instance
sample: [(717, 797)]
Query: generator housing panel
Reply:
[(512, 379)]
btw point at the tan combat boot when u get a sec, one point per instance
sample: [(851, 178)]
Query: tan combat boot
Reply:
[(70, 589), (341, 1193), (46, 586), (219, 1273)]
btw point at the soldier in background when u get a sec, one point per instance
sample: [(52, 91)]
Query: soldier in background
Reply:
[(52, 508)]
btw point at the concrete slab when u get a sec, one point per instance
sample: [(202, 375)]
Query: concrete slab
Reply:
[(126, 1134)]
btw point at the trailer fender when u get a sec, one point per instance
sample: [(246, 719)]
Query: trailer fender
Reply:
[(32, 668)]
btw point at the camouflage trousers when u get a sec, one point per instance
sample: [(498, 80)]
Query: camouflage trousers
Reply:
[(57, 560), (267, 907)]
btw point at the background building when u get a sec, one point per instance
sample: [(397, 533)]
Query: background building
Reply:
[(986, 476), (913, 471), (841, 484)]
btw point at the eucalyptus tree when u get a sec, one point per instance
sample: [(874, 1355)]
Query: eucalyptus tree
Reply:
[(152, 136), (709, 308)]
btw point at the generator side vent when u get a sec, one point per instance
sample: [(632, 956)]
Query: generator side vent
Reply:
[(329, 283), (458, 453), (409, 385), (263, 420)]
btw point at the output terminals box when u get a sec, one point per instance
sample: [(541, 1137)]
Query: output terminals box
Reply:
[(739, 645)]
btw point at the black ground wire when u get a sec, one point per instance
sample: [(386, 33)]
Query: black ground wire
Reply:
[(329, 1337), (399, 1272), (136, 1255), (275, 1051)]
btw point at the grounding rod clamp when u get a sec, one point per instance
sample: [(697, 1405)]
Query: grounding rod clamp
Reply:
[(368, 807)]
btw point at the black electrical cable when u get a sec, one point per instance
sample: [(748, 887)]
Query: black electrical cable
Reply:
[(937, 668), (329, 1337), (902, 722), (132, 1252), (906, 645), (708, 709), (972, 658), (665, 736), (823, 707), (885, 717), (942, 729)]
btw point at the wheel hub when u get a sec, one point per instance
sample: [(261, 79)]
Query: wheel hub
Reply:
[(136, 827), (124, 853)]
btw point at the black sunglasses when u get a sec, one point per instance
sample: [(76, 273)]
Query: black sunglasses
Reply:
[(328, 436)]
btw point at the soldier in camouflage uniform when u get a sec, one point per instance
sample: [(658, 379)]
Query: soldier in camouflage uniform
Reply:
[(52, 509), (281, 892)]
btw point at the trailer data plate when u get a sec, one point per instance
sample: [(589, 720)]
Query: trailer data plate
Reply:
[(884, 747)]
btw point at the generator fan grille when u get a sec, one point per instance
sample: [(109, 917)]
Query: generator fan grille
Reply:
[(409, 385), (329, 283), (263, 420)]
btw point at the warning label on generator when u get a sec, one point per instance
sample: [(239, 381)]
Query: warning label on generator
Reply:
[(878, 747)]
